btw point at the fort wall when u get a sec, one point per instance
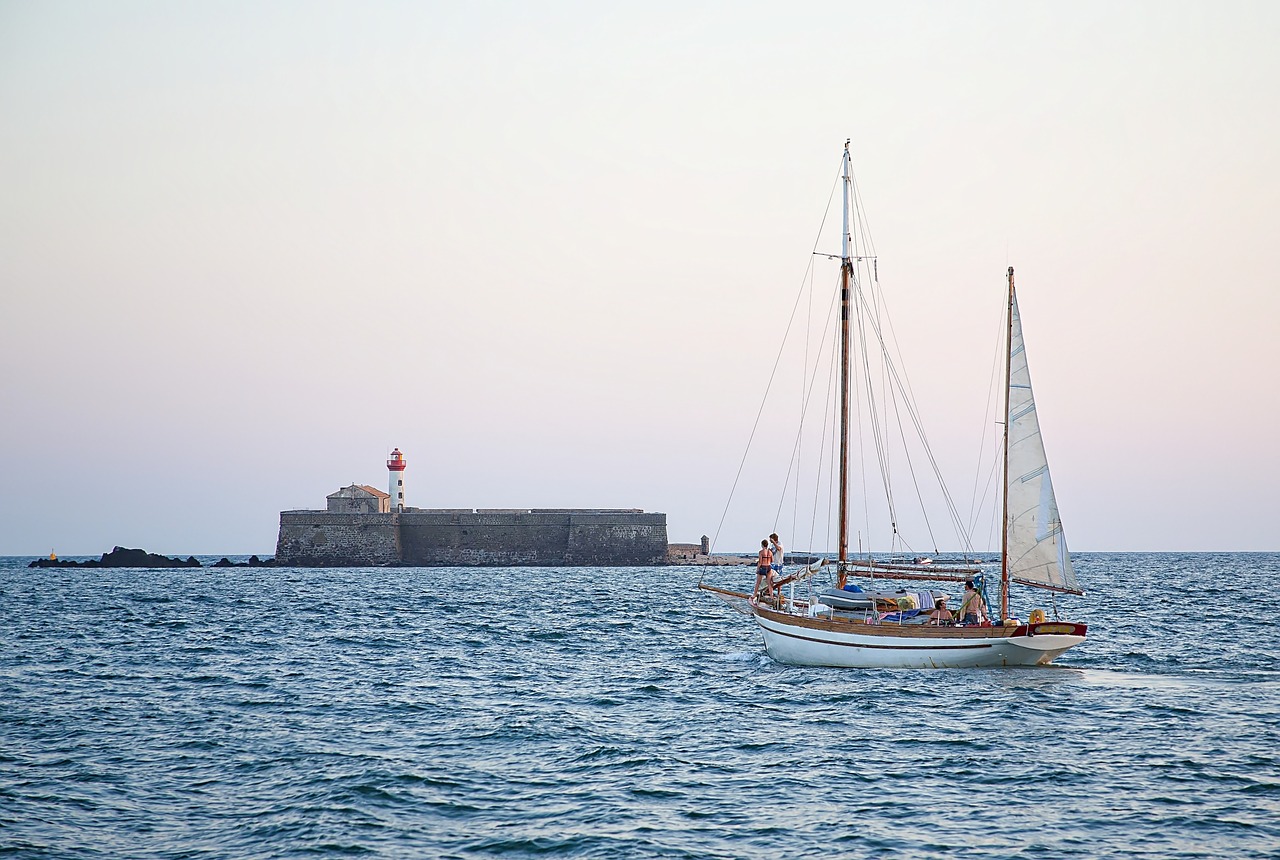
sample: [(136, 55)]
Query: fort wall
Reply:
[(440, 538), (332, 539)]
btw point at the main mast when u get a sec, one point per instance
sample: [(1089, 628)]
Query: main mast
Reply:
[(1004, 526), (846, 274)]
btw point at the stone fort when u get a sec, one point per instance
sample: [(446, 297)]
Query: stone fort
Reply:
[(363, 526)]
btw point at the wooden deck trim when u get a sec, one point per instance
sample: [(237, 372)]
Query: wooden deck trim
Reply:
[(725, 591), (914, 631)]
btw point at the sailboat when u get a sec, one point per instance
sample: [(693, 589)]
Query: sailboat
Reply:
[(849, 627)]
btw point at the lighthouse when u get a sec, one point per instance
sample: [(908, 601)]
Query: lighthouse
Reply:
[(395, 469)]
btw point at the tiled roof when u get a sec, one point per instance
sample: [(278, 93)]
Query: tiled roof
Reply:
[(346, 492)]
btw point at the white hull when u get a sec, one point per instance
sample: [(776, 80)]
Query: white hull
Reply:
[(800, 641)]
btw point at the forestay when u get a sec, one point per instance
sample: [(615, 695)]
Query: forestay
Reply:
[(1037, 548)]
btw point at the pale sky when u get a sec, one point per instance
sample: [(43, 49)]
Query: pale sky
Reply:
[(547, 250)]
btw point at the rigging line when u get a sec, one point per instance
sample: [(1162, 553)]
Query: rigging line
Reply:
[(992, 383), (878, 303), (795, 450), (763, 400), (911, 468), (868, 260), (862, 453), (873, 412), (835, 449), (978, 502), (870, 244), (891, 368), (863, 231), (987, 486), (893, 337), (902, 379), (804, 400), (808, 336), (904, 386), (817, 482), (915, 418), (908, 395), (880, 433), (831, 470)]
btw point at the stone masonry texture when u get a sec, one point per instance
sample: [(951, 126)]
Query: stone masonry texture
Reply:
[(460, 538)]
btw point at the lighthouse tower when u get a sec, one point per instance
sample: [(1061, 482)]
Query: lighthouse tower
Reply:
[(395, 466)]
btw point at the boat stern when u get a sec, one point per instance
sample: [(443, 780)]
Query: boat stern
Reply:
[(1048, 639)]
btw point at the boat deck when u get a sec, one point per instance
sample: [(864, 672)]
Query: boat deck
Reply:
[(867, 624)]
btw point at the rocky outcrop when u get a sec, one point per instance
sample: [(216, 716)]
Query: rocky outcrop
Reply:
[(121, 557), (253, 561)]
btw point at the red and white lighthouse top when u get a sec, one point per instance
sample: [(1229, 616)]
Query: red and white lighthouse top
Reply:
[(397, 461)]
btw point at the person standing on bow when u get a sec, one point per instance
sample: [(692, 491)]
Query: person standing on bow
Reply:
[(775, 546), (764, 565), (973, 609)]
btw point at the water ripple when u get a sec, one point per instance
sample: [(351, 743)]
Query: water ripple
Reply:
[(256, 712)]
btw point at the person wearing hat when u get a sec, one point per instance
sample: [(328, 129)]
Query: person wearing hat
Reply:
[(940, 614)]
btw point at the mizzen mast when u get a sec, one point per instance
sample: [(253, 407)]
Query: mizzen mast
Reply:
[(1004, 527)]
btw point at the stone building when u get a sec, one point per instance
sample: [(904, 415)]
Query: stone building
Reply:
[(690, 553), (359, 499), (362, 526)]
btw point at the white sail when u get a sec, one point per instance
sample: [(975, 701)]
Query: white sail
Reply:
[(1037, 548)]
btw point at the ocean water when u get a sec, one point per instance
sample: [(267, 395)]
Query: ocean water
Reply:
[(285, 712)]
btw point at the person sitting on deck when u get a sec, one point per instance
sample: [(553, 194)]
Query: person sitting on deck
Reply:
[(941, 614), (974, 609), (764, 563)]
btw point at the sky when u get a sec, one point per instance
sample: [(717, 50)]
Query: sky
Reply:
[(549, 250)]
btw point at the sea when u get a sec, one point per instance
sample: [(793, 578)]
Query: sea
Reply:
[(601, 713)]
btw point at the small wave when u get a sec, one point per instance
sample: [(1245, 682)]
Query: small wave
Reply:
[(1154, 680), (580, 845), (744, 657)]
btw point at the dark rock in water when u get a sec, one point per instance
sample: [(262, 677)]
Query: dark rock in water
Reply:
[(121, 557), (58, 562), (124, 557), (253, 561)]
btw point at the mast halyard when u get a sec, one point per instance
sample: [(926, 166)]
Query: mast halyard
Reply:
[(846, 272), (1004, 527)]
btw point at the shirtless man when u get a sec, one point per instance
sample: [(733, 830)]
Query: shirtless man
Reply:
[(973, 610)]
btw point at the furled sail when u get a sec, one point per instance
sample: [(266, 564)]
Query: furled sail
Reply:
[(1037, 548)]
